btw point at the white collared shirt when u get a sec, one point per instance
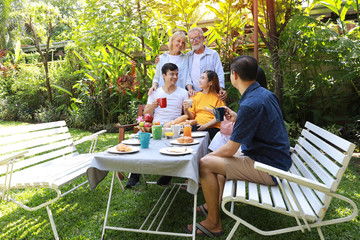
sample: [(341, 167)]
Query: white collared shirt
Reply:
[(209, 61)]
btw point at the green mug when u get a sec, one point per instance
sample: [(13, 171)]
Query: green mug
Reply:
[(156, 131)]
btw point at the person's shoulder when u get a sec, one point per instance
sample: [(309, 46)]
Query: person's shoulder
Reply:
[(190, 53), (181, 90)]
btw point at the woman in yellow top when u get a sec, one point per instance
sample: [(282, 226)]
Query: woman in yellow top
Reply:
[(209, 95)]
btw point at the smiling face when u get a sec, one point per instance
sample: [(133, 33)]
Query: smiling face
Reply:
[(178, 44), (171, 77), (204, 82), (196, 40)]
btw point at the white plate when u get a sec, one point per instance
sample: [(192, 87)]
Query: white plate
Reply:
[(133, 149), (198, 134), (132, 141), (184, 144), (167, 152)]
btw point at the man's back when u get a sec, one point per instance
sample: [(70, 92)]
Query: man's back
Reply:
[(260, 128)]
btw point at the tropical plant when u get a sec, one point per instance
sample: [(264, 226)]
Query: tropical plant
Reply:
[(273, 18), (40, 20), (320, 68), (229, 28), (180, 14)]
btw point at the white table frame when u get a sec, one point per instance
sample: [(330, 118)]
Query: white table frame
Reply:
[(170, 189), (160, 205)]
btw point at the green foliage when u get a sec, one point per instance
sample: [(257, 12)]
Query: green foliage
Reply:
[(21, 91), (185, 12), (321, 72), (84, 116), (229, 27), (46, 114)]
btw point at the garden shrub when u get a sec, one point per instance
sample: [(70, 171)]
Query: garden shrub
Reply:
[(320, 72), (86, 115), (47, 114)]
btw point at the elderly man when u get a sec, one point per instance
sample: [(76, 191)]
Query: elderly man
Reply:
[(175, 97), (202, 58), (259, 130)]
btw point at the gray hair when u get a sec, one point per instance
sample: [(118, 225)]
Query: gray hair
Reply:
[(198, 29)]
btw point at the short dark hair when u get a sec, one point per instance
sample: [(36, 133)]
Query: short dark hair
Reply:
[(261, 78), (168, 67), (245, 66)]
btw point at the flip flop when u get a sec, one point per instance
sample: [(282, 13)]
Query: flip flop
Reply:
[(204, 231), (202, 211)]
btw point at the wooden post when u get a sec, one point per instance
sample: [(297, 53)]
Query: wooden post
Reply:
[(256, 31)]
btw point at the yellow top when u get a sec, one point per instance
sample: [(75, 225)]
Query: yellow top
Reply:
[(200, 100)]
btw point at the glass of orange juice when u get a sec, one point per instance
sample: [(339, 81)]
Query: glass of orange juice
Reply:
[(187, 131), (169, 133)]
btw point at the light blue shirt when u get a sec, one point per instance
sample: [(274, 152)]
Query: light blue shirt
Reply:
[(209, 61), (184, 76)]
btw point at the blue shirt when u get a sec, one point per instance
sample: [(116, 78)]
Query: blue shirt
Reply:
[(260, 128), (209, 61)]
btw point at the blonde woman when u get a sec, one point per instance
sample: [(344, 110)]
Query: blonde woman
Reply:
[(177, 44)]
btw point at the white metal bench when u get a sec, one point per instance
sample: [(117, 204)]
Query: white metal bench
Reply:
[(320, 159), (41, 156)]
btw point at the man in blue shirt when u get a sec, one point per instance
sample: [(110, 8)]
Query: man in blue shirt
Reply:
[(260, 131)]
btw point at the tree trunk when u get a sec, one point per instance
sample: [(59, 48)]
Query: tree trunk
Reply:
[(142, 43), (47, 79), (278, 77), (44, 57)]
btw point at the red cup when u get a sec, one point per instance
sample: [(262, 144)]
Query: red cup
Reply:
[(162, 102)]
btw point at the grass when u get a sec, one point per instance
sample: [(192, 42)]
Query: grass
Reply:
[(80, 215)]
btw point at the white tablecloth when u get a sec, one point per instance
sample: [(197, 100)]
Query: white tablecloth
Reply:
[(151, 161)]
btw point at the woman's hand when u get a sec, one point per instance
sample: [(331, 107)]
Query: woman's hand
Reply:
[(223, 94), (230, 114), (153, 88), (191, 91), (201, 127), (186, 105)]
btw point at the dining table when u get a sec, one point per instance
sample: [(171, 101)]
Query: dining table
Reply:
[(158, 159)]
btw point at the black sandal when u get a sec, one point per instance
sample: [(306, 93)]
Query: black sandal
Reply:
[(204, 231), (202, 212)]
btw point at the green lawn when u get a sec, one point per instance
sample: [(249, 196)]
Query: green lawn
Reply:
[(80, 215)]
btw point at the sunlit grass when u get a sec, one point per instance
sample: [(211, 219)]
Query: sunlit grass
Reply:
[(80, 215)]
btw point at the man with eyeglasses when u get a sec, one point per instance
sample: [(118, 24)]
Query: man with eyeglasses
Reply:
[(202, 58)]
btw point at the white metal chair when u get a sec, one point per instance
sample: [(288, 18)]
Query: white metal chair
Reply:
[(320, 159), (41, 156)]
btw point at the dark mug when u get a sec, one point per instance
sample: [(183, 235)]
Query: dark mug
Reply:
[(219, 114)]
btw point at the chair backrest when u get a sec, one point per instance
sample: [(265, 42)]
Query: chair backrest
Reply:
[(141, 109), (323, 157), (43, 142)]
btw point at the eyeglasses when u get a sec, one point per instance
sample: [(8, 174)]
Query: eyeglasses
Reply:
[(198, 38)]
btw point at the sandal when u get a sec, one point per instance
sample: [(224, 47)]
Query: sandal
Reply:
[(202, 212), (204, 231)]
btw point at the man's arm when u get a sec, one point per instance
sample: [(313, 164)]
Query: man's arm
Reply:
[(227, 150), (150, 108)]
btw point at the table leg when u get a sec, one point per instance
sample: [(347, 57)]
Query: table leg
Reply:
[(194, 217), (108, 206)]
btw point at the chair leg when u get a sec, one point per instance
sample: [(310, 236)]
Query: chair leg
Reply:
[(321, 235), (119, 177), (52, 222), (233, 230), (143, 176)]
